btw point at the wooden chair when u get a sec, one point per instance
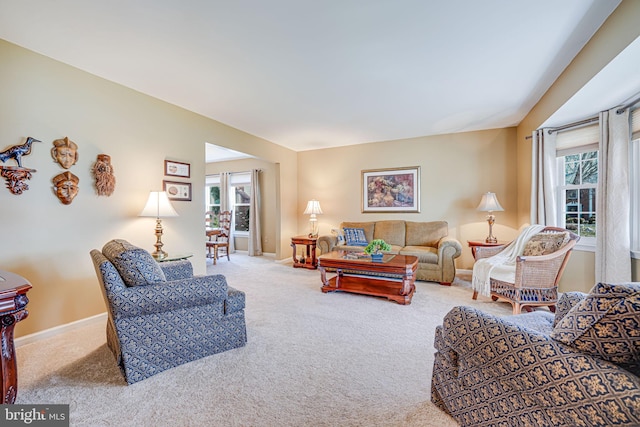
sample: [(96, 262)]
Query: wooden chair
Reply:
[(536, 277), (220, 239)]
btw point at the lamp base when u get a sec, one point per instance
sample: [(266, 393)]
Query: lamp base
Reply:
[(491, 220), (159, 255)]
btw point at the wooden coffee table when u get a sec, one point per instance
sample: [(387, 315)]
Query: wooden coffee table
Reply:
[(393, 278)]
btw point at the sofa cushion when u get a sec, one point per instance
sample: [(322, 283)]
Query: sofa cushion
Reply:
[(425, 233), (355, 236), (425, 254), (545, 243), (605, 324), (392, 232), (135, 265), (367, 226)]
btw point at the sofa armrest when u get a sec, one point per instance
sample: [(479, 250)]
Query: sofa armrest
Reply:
[(551, 375), (161, 297), (488, 251), (326, 243), (175, 270), (449, 242)]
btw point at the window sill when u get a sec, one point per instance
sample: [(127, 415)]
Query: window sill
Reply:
[(584, 248)]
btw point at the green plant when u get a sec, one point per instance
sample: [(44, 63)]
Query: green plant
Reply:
[(376, 246)]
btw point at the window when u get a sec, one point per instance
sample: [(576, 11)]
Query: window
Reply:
[(240, 194), (212, 197), (577, 166), (578, 175)]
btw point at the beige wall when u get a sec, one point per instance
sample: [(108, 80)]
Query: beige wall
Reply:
[(268, 197), (456, 169), (48, 242), (619, 30)]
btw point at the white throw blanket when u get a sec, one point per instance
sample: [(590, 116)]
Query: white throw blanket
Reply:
[(504, 261)]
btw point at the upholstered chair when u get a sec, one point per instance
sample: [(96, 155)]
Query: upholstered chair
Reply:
[(160, 315), (578, 367)]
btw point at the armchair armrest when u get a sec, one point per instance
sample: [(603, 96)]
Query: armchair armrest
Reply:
[(175, 270), (551, 375), (488, 251), (161, 297)]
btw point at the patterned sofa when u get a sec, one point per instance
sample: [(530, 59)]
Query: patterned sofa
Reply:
[(577, 368), (160, 315), (429, 241)]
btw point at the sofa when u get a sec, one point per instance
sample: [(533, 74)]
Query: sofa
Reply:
[(160, 315), (429, 241), (578, 367)]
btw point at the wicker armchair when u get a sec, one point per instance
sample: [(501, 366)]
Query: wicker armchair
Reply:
[(536, 277)]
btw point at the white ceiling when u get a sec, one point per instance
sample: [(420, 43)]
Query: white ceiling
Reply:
[(312, 74)]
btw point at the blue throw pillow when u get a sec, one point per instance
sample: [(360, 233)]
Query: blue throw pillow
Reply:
[(355, 237), (135, 265)]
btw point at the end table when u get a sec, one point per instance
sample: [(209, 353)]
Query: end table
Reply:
[(308, 260)]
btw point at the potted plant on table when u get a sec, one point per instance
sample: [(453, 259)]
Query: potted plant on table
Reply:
[(375, 248)]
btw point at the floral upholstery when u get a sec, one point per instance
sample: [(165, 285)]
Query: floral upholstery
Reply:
[(158, 326), (492, 371), (605, 324)]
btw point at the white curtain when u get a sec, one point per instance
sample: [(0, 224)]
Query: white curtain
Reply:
[(225, 205), (613, 242), (255, 235), (543, 180)]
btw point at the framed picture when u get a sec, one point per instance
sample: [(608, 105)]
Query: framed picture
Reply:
[(172, 168), (177, 190), (391, 190)]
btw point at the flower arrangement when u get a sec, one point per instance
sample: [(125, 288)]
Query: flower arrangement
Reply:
[(376, 246)]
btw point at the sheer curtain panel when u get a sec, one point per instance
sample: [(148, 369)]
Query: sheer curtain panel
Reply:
[(613, 241), (255, 235), (543, 180)]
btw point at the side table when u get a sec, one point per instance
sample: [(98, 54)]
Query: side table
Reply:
[(175, 257), (13, 303), (308, 260)]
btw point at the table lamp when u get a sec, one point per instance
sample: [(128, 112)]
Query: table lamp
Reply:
[(158, 206), (313, 209), (489, 203)]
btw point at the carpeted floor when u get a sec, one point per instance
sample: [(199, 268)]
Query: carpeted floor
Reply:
[(311, 359)]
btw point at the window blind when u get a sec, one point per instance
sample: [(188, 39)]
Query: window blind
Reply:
[(578, 137)]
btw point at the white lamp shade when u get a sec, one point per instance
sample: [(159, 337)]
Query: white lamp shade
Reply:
[(489, 203), (158, 206), (313, 207)]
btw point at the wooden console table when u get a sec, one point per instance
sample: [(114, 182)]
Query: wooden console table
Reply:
[(310, 260), (13, 303)]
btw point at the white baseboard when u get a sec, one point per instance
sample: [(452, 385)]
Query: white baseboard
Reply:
[(57, 330)]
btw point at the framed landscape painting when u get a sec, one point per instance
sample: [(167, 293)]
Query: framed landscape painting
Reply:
[(391, 190)]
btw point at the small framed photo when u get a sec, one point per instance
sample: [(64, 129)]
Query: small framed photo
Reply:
[(172, 168), (177, 190), (391, 190)]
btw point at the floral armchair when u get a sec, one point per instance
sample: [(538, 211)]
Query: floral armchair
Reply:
[(577, 368), (160, 315)]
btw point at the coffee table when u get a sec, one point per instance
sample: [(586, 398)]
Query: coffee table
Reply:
[(393, 278)]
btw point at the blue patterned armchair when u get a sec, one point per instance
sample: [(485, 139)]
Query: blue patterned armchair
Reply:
[(160, 315), (577, 368)]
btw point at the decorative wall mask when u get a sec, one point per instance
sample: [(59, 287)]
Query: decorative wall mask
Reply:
[(65, 152), (17, 176), (103, 173), (66, 186)]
